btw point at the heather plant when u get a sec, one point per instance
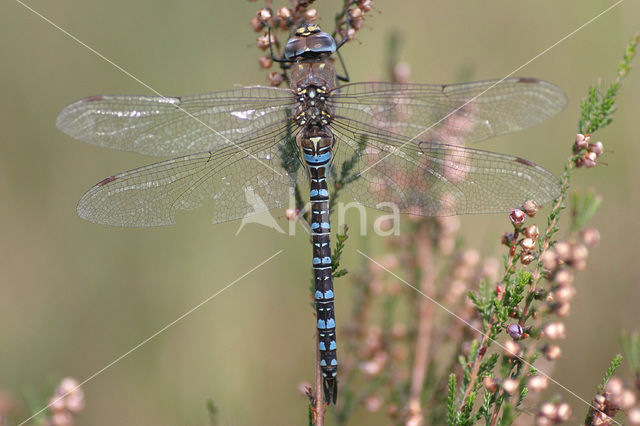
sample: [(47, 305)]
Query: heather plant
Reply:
[(481, 327), (462, 346)]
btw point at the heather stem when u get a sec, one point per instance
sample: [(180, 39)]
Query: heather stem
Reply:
[(425, 324), (319, 406), (551, 229)]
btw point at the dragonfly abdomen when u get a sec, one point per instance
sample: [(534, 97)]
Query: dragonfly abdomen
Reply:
[(316, 144)]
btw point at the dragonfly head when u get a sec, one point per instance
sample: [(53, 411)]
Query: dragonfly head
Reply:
[(309, 41)]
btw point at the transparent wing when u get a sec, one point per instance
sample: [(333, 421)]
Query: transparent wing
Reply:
[(170, 126), (232, 177), (449, 113), (436, 179)]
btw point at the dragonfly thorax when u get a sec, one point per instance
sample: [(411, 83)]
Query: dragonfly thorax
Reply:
[(312, 110)]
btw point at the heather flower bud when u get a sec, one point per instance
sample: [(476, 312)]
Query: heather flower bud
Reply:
[(56, 403), (256, 24), (61, 418), (564, 293), (527, 244), (264, 61), (563, 250), (562, 309), (549, 260), (507, 239), (365, 5), (627, 400), (490, 384), (614, 388), (530, 207), (527, 258), (552, 352), (537, 383), (515, 331), (275, 78), (517, 216), (601, 419), (549, 410), (305, 388), (599, 402), (633, 416), (581, 142), (564, 412), (597, 148), (284, 13), (590, 159), (510, 386), (563, 277), (401, 72), (579, 253), (531, 232), (263, 41), (512, 349), (373, 403), (355, 14), (264, 15), (590, 237), (311, 15), (371, 368), (554, 330), (542, 420)]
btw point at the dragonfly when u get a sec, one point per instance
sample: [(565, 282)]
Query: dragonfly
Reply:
[(404, 143)]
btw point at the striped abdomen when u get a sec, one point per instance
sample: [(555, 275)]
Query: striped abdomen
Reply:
[(316, 145)]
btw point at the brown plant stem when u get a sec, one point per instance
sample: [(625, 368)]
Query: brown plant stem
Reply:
[(496, 411), (319, 406), (425, 322)]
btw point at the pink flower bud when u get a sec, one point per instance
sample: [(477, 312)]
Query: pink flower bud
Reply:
[(517, 216)]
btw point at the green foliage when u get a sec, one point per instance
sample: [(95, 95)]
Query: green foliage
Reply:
[(487, 365), (212, 410), (515, 290), (451, 400), (484, 299), (615, 363), (341, 239), (347, 172), (583, 207), (631, 347), (599, 105)]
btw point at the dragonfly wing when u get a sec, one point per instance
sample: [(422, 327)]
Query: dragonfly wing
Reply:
[(450, 113), (437, 179), (241, 181), (170, 126)]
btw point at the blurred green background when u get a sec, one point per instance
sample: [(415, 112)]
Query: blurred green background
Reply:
[(74, 296)]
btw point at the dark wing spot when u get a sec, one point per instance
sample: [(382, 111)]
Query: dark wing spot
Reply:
[(528, 80), (525, 162), (106, 181)]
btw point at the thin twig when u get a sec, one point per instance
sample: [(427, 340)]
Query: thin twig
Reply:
[(319, 402), (425, 322)]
